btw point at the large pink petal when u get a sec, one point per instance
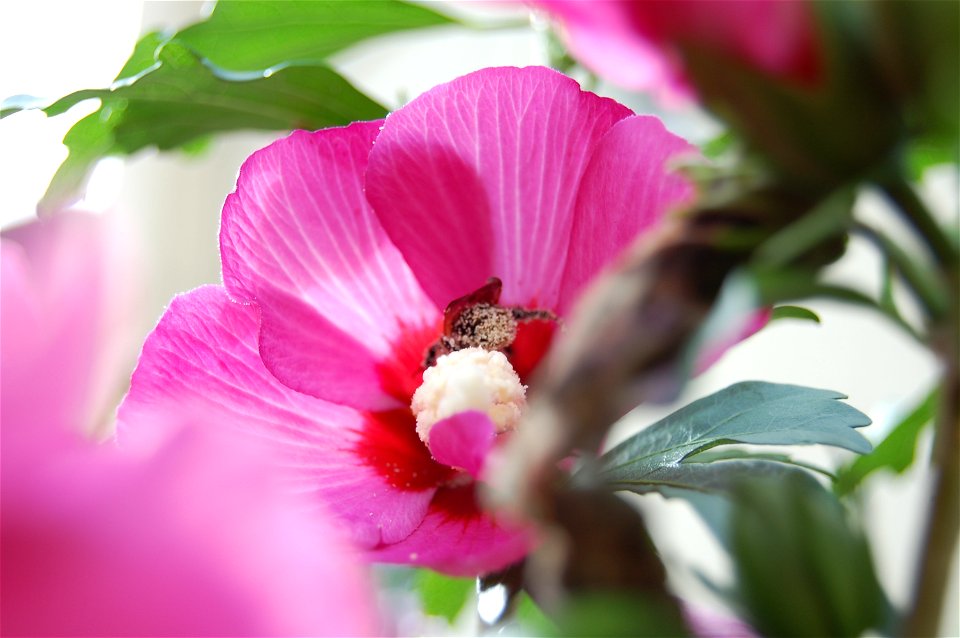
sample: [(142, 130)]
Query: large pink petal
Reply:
[(195, 540), (299, 239), (458, 538), (626, 189), (478, 178), (202, 358), (62, 317)]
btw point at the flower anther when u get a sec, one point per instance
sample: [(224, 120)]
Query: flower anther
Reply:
[(469, 379)]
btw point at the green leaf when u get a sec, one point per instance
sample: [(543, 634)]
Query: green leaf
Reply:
[(717, 146), (736, 453), (829, 219), (183, 100), (442, 595), (751, 412), (176, 89), (802, 568), (717, 477), (256, 35), (616, 614), (895, 452), (88, 141), (923, 155), (532, 618), (794, 312), (145, 55)]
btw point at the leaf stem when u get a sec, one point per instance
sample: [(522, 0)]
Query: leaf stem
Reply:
[(924, 286), (943, 519), (918, 215)]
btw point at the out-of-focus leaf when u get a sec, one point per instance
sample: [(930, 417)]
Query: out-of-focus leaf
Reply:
[(177, 88), (531, 617), (184, 99), (829, 219), (895, 452), (256, 35), (89, 140), (750, 412), (736, 453), (922, 155), (794, 312), (816, 136), (917, 48), (616, 614), (719, 145), (802, 568), (442, 595)]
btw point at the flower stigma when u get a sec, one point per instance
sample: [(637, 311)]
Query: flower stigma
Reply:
[(469, 379)]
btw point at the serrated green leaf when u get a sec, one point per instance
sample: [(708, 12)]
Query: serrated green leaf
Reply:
[(751, 412), (183, 100), (443, 595), (794, 312), (802, 569), (257, 35), (895, 452)]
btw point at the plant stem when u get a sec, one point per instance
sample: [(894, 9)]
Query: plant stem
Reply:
[(943, 519), (925, 288)]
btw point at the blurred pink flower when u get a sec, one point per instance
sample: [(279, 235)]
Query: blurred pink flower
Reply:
[(186, 536), (635, 43), (709, 624), (63, 294), (344, 247)]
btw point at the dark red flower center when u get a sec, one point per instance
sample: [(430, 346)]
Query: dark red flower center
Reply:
[(389, 442)]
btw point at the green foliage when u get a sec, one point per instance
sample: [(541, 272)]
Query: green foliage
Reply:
[(717, 477), (443, 595), (184, 99), (917, 49), (794, 312), (614, 615), (175, 90), (802, 568), (531, 617), (252, 36), (719, 145), (810, 233), (895, 452), (751, 412), (924, 155)]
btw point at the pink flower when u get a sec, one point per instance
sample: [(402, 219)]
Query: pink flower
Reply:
[(345, 246), (182, 536), (637, 43)]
